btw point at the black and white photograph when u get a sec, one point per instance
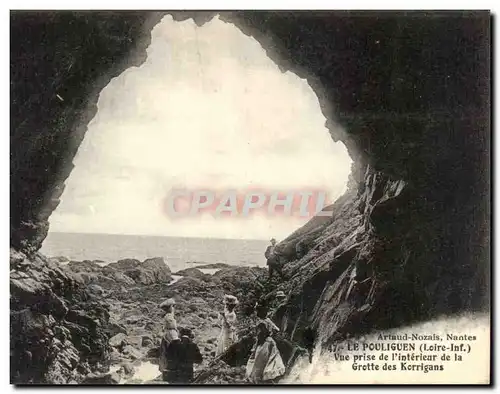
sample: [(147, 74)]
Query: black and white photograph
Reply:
[(250, 197)]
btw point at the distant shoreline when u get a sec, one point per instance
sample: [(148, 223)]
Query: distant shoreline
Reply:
[(160, 236), (176, 250)]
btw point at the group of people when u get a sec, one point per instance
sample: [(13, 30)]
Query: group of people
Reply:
[(178, 352)]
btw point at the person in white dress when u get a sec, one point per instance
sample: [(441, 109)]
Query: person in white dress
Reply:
[(265, 364), (228, 321)]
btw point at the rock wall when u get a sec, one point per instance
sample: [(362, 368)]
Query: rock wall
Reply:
[(403, 256), (59, 333), (59, 63), (411, 93)]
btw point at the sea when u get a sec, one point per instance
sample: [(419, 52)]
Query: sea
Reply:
[(179, 253)]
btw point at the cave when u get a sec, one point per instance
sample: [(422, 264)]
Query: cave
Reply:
[(250, 120), (412, 94)]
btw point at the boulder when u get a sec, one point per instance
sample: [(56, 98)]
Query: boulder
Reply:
[(150, 271), (122, 280), (132, 352), (118, 340), (191, 272), (157, 264), (127, 370), (115, 328), (124, 264), (95, 289), (134, 340), (115, 356), (121, 274), (188, 285)]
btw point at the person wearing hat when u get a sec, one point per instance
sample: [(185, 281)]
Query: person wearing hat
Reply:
[(280, 297), (279, 300), (262, 312), (170, 332), (265, 364), (273, 259), (228, 321), (288, 350)]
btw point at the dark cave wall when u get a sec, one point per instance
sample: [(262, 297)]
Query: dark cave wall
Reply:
[(411, 92), (58, 333), (73, 55)]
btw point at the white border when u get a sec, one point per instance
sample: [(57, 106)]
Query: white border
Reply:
[(256, 4)]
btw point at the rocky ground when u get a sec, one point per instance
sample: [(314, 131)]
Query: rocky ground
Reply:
[(90, 322), (132, 292), (67, 314)]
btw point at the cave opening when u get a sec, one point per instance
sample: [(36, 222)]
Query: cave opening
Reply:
[(207, 109)]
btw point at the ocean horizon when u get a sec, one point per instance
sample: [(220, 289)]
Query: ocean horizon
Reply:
[(178, 252)]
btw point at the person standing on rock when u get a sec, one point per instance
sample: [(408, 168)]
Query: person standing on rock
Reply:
[(279, 300), (262, 312), (273, 260), (170, 333), (265, 364), (228, 320), (288, 350)]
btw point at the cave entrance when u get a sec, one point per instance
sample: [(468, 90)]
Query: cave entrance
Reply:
[(207, 109)]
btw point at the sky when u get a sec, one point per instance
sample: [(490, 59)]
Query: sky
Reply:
[(207, 109)]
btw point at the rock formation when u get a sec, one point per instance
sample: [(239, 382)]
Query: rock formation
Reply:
[(191, 272), (59, 332), (122, 273)]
